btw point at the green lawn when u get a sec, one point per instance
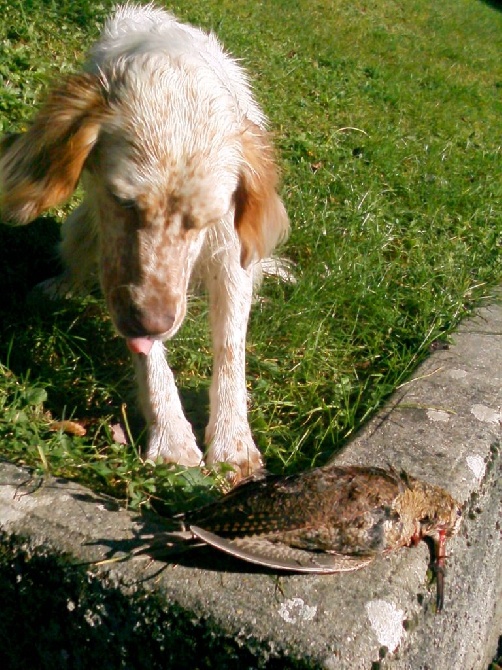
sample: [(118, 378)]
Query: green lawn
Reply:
[(387, 118)]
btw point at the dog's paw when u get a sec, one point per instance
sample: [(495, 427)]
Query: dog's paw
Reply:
[(240, 452), (172, 446), (242, 469)]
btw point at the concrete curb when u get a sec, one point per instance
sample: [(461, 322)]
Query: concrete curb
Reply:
[(208, 611)]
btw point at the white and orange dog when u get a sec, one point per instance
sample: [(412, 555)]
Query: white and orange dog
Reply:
[(180, 183)]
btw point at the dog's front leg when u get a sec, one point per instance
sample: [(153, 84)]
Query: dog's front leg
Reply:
[(170, 435), (228, 434)]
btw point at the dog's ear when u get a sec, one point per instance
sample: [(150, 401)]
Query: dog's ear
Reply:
[(41, 167), (260, 218)]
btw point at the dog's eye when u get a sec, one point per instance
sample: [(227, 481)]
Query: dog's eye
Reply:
[(126, 203)]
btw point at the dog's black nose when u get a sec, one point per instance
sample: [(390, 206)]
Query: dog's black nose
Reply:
[(136, 323)]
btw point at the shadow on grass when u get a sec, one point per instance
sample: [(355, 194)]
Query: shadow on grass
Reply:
[(494, 4), (27, 257), (59, 343)]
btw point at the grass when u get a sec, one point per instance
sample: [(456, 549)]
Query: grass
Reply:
[(387, 121)]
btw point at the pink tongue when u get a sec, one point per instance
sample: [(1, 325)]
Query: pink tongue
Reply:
[(139, 345)]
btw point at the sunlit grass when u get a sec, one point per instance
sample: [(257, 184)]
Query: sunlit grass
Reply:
[(387, 121)]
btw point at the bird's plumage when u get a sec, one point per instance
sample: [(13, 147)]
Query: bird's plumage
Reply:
[(331, 519)]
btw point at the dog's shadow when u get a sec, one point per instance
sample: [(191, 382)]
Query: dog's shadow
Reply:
[(28, 255)]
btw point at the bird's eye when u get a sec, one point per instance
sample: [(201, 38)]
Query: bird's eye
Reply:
[(188, 222)]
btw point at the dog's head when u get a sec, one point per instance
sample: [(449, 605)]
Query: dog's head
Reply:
[(162, 167)]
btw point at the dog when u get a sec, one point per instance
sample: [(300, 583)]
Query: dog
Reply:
[(180, 182)]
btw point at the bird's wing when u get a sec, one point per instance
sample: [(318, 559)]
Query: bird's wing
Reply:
[(279, 556)]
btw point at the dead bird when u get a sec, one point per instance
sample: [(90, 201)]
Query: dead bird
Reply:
[(330, 519)]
